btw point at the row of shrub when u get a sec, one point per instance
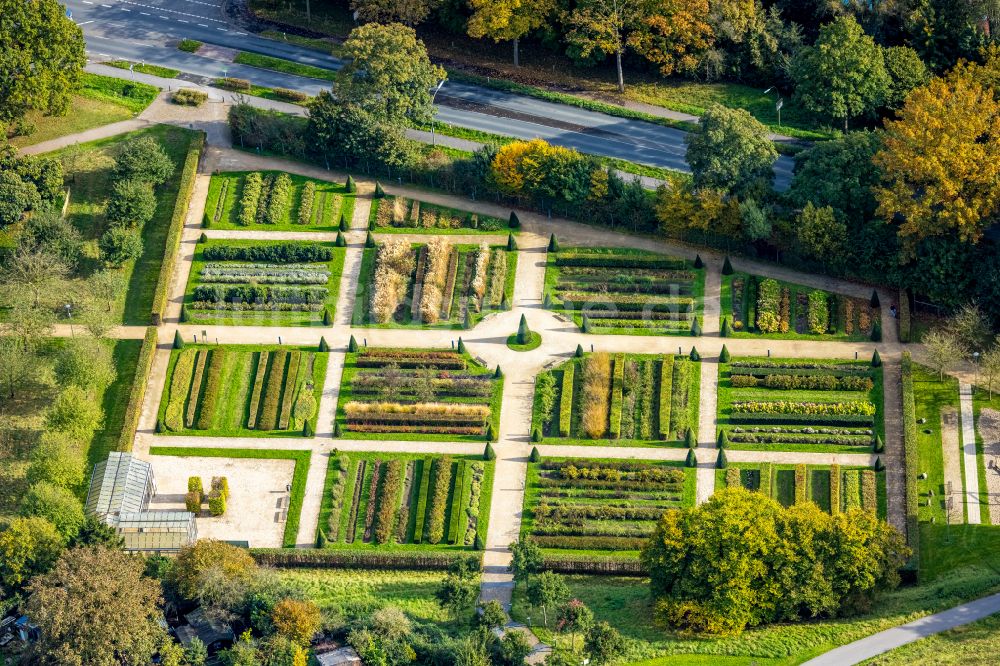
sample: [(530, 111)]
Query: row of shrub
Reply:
[(240, 273), (258, 294), (798, 365), (803, 382), (847, 420), (857, 407), (416, 560), (438, 499), (617, 260), (626, 302), (417, 382), (612, 471), (278, 253), (791, 438)]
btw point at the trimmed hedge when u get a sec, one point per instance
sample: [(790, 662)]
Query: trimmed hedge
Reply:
[(195, 393), (910, 458), (618, 261), (173, 244), (904, 316), (138, 391), (389, 494), (425, 484), (800, 484), (438, 499), (594, 565), (212, 389), (835, 481), (180, 384), (353, 559), (268, 419), (566, 401), (845, 420), (258, 386), (617, 387), (291, 379), (455, 522), (281, 253), (666, 392)]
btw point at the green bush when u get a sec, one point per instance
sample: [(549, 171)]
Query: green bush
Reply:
[(438, 499), (194, 484), (253, 186), (280, 253), (143, 159), (189, 97), (566, 401), (192, 501), (189, 45), (216, 503), (293, 96), (220, 484), (535, 455), (213, 387), (132, 204), (120, 245), (230, 83), (389, 491), (279, 200)]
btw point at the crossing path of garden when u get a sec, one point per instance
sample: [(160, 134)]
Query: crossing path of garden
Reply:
[(970, 463), (707, 418)]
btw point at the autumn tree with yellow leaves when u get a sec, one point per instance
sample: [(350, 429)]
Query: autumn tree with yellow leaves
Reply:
[(508, 20)]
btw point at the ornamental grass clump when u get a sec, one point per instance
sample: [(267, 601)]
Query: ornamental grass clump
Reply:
[(393, 265), (432, 292), (595, 398)]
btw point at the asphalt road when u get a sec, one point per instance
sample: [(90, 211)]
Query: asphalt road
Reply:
[(146, 30)]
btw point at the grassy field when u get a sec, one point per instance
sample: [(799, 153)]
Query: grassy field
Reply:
[(336, 516), (261, 317), (860, 434), (332, 202), (299, 476), (241, 379), (101, 100), (931, 397), (284, 66)]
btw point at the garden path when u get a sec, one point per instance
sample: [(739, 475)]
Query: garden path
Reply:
[(892, 416), (954, 497), (707, 416), (970, 465), (989, 430)]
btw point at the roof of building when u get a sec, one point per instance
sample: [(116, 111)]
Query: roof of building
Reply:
[(343, 656), (207, 630), (119, 484), (157, 530)]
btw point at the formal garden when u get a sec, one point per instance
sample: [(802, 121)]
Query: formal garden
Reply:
[(417, 394), (410, 501), (581, 506), (437, 284), (833, 488), (242, 390), (277, 201), (754, 306), (820, 405), (263, 283), (625, 291), (626, 399), (396, 214)]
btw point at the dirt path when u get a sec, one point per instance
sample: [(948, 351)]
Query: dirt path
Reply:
[(951, 456)]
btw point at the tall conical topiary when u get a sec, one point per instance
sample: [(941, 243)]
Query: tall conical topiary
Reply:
[(689, 439), (491, 435), (727, 328), (344, 226), (553, 243), (467, 322), (489, 453), (479, 545), (879, 465), (337, 430), (511, 245), (724, 355), (874, 301), (341, 241), (504, 303), (461, 346), (727, 266), (184, 314), (586, 324), (691, 460), (514, 222), (694, 355), (547, 301), (352, 345), (321, 540), (178, 340), (324, 346), (876, 359), (498, 373), (327, 317), (369, 240), (379, 192), (877, 331), (698, 263), (695, 328), (203, 238), (536, 435), (579, 351), (351, 185), (523, 332), (307, 429), (878, 446), (535, 455), (723, 441), (720, 461)]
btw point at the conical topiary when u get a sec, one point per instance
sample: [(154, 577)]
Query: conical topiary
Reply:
[(695, 328), (878, 446), (536, 435), (379, 192), (691, 460), (341, 241), (547, 301), (877, 331), (553, 243), (178, 340), (727, 329), (514, 222), (698, 263), (324, 346), (694, 355), (727, 266), (467, 323), (491, 435), (511, 245), (535, 455), (879, 465), (479, 545), (498, 373), (721, 462), (579, 351), (876, 359), (523, 332), (369, 240), (504, 303), (160, 426), (327, 317), (307, 429), (321, 540), (337, 430), (203, 238), (352, 345), (689, 439), (874, 301), (586, 324), (724, 355), (184, 314), (344, 226), (723, 441), (351, 185), (489, 453), (461, 346)]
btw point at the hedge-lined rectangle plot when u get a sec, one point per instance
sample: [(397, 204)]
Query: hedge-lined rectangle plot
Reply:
[(417, 394), (647, 400), (263, 283), (405, 501), (574, 504), (625, 291), (801, 405), (395, 214), (277, 201), (439, 284), (833, 488), (243, 390)]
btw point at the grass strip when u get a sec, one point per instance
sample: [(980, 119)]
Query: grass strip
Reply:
[(143, 68), (291, 380), (258, 385), (284, 66), (195, 392), (137, 394)]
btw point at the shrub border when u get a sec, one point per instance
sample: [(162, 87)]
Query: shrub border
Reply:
[(354, 559), (910, 459), (138, 392)]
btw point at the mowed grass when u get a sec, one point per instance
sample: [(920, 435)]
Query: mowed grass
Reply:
[(143, 68), (971, 645), (262, 317), (222, 207), (101, 100), (932, 396), (284, 66), (625, 604)]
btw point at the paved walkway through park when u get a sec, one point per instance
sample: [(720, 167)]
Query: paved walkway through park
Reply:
[(970, 464)]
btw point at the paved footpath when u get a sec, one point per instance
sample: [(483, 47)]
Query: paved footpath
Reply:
[(705, 474), (970, 464)]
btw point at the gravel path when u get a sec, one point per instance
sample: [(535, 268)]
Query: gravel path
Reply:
[(989, 430), (951, 456), (970, 464)]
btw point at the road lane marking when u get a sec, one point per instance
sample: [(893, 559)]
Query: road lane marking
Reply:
[(182, 21), (85, 22), (202, 25), (145, 13), (87, 2)]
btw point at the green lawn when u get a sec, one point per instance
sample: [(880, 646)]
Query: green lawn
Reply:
[(970, 645), (237, 388), (261, 317), (931, 396), (284, 66), (336, 521), (945, 548), (332, 202), (299, 476), (142, 68)]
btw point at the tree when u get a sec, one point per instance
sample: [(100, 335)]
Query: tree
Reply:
[(57, 459), (47, 231), (143, 159), (96, 532), (821, 235), (607, 27), (603, 643), (196, 653), (16, 198), (86, 363), (526, 559), (214, 573), (843, 74), (297, 620), (407, 12), (18, 365), (57, 505), (548, 590), (107, 286), (523, 332), (839, 173), (388, 74), (492, 615), (132, 203), (35, 271), (989, 367), (730, 151), (28, 546), (906, 71), (356, 135), (457, 592), (675, 36), (120, 245), (741, 560), (41, 58), (942, 182), (503, 20), (75, 413), (943, 349), (574, 617), (754, 221), (970, 326), (514, 647)]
